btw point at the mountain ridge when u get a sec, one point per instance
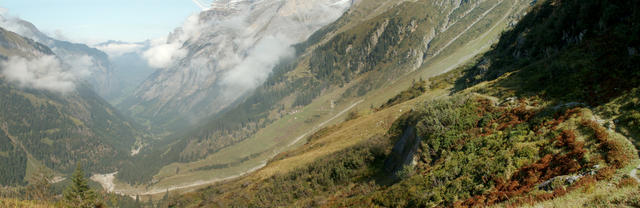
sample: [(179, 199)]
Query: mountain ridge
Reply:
[(102, 76), (52, 129)]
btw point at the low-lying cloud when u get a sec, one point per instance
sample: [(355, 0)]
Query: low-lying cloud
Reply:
[(17, 25), (45, 72), (119, 49), (259, 62), (166, 51), (164, 54), (295, 22)]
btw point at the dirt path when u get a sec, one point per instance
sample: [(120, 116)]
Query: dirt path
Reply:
[(201, 183)]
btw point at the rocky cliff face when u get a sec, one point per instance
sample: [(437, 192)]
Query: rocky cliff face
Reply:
[(222, 53), (403, 152)]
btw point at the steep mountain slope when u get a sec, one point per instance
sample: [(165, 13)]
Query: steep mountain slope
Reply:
[(43, 124), (101, 76), (533, 122), (372, 52), (222, 53)]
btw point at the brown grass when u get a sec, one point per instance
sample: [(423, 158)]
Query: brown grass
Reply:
[(614, 153), (508, 118), (572, 160), (16, 203), (549, 166), (627, 182)]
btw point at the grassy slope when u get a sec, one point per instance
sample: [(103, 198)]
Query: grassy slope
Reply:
[(618, 191), (277, 136), (330, 140), (15, 203), (361, 130)]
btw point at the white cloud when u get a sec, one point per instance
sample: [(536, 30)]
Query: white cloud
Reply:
[(191, 29), (164, 52), (79, 65), (13, 24), (294, 22), (45, 72), (59, 35), (119, 49), (3, 11), (259, 62)]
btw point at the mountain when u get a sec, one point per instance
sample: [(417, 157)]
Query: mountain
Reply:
[(102, 76), (50, 118), (371, 53), (546, 118), (130, 68), (421, 103), (222, 53)]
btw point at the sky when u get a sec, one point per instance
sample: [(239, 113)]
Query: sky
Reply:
[(94, 21)]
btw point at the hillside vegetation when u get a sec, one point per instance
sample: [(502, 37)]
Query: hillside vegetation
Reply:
[(375, 44), (545, 118), (41, 128), (469, 103), (15, 203)]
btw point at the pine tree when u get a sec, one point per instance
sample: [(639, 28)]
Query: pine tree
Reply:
[(79, 194)]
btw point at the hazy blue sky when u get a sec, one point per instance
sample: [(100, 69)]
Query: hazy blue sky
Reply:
[(100, 20)]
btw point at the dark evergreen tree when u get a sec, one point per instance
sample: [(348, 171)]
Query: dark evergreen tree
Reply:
[(79, 194), (150, 203)]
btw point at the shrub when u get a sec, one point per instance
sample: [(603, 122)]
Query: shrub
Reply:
[(627, 181)]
